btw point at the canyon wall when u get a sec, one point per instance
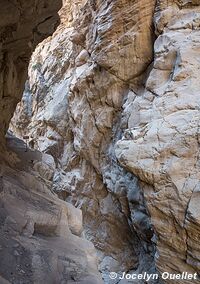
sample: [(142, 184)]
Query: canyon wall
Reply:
[(164, 149), (41, 238), (22, 26), (78, 82), (113, 97)]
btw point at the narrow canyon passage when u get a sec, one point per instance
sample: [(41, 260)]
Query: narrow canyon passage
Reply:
[(100, 157), (71, 110)]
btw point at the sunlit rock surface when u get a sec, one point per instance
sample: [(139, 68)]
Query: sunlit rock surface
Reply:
[(113, 97), (164, 150), (78, 82), (41, 237)]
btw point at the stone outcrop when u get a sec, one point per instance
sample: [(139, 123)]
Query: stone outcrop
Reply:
[(22, 26), (164, 148), (41, 239), (40, 235), (111, 87), (71, 109)]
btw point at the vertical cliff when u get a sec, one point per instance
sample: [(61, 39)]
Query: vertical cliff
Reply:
[(22, 26), (113, 97), (72, 109), (164, 149), (40, 236)]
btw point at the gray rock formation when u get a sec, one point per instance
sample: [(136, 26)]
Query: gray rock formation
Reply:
[(78, 82), (22, 26), (41, 237), (118, 83), (165, 153)]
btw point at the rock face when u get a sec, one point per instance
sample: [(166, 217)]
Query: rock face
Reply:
[(22, 26), (78, 82), (111, 85), (164, 149), (41, 237)]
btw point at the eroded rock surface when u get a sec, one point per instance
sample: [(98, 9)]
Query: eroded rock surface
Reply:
[(95, 90), (78, 83), (164, 148), (23, 24), (40, 236)]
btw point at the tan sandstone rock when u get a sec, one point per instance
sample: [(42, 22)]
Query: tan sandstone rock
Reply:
[(78, 81), (95, 90), (166, 156), (39, 234)]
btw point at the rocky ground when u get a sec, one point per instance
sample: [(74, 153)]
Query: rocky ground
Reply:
[(40, 234)]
